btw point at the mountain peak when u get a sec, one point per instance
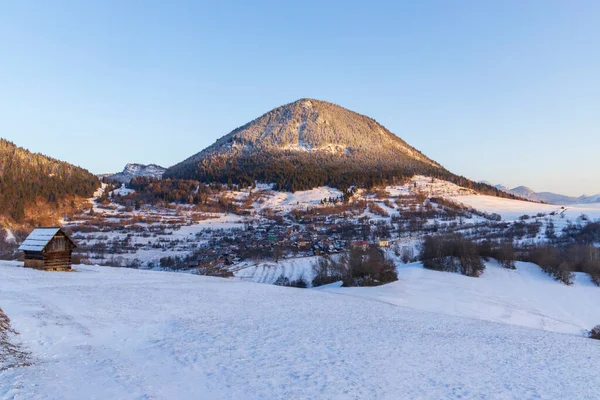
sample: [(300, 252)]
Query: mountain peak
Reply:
[(310, 143), (315, 126), (133, 170)]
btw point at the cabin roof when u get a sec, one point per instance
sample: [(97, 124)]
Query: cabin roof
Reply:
[(39, 239)]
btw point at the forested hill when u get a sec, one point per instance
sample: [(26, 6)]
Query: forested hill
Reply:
[(311, 143), (29, 181)]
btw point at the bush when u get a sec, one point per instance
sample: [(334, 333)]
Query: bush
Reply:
[(553, 261), (214, 270), (406, 255), (326, 271), (299, 283), (506, 255), (282, 281), (452, 253), (367, 268), (356, 268), (595, 333), (585, 258)]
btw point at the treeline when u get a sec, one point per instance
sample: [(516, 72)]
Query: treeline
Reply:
[(26, 178), (151, 190), (560, 261), (293, 171), (456, 253), (208, 198)]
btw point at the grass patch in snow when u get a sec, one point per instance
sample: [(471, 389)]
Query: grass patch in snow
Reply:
[(11, 355)]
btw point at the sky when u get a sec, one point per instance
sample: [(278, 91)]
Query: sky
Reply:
[(503, 91)]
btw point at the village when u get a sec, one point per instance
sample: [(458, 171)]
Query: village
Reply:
[(158, 238), (233, 229)]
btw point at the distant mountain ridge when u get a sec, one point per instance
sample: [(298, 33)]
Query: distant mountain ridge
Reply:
[(311, 143), (133, 170), (549, 197)]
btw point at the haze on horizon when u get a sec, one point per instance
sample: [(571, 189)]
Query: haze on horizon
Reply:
[(505, 92)]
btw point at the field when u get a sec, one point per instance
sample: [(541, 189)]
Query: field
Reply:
[(103, 332)]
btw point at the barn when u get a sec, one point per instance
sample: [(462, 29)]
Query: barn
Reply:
[(48, 249)]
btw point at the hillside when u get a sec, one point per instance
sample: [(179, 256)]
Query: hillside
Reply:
[(311, 143), (30, 183), (133, 170), (525, 296), (157, 335)]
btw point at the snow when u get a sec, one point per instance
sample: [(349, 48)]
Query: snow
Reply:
[(123, 190), (10, 236), (432, 187), (525, 296), (128, 334), (38, 239), (229, 221), (287, 201), (268, 272)]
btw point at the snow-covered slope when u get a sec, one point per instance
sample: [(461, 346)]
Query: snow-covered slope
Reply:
[(134, 170), (513, 209), (103, 333), (525, 296)]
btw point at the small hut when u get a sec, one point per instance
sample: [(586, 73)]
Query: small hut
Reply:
[(48, 249)]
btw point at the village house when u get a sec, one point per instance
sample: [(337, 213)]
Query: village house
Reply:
[(48, 249), (360, 244)]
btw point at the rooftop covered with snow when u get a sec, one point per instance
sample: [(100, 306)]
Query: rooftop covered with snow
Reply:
[(39, 239)]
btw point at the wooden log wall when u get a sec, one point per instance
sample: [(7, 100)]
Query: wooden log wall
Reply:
[(58, 243), (31, 263), (57, 260)]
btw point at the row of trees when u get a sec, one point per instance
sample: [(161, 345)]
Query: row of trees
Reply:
[(560, 261), (209, 198), (456, 253)]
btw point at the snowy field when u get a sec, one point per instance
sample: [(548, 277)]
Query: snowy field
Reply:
[(526, 296), (511, 210), (105, 333)]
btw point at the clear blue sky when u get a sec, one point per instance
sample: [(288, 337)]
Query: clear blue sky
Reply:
[(506, 91)]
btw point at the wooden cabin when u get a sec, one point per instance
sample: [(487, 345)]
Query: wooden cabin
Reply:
[(48, 249)]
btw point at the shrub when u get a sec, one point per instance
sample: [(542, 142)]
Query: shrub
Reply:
[(367, 268), (356, 268), (595, 333), (326, 271), (377, 209), (282, 280), (407, 254), (299, 283), (214, 270), (506, 255), (452, 253), (552, 261)]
